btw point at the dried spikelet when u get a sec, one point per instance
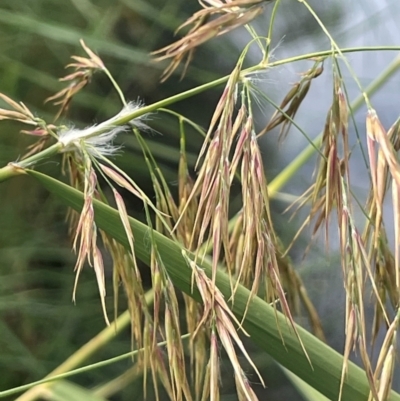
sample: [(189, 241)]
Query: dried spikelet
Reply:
[(385, 280), (380, 166), (231, 147), (22, 114), (164, 292), (380, 181), (384, 172), (180, 386), (356, 266), (210, 390), (386, 361), (160, 373), (124, 273), (216, 18), (326, 194), (292, 102), (376, 132), (173, 379), (214, 368), (198, 341), (86, 235), (259, 246), (386, 379), (218, 314), (396, 212), (183, 232), (44, 134), (213, 181), (331, 192)]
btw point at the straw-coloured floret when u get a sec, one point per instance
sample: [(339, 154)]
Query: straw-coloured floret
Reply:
[(217, 18)]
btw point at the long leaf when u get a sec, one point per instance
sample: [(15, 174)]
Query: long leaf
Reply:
[(268, 329), (307, 392)]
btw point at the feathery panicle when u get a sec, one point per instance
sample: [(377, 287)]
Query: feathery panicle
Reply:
[(199, 219), (82, 151), (331, 192), (84, 69), (249, 253), (217, 18)]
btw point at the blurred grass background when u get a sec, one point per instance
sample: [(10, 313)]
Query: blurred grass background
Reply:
[(39, 325)]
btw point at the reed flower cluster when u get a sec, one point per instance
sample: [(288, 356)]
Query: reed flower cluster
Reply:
[(244, 243)]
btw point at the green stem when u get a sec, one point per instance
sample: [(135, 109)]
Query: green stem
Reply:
[(74, 372), (209, 85), (17, 168), (8, 172), (12, 169), (116, 86)]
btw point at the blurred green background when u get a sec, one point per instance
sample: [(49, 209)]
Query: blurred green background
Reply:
[(39, 325)]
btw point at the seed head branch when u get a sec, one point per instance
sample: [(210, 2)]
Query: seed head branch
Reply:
[(216, 19)]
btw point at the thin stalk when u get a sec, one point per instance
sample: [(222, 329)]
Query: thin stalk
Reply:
[(76, 359), (271, 25), (209, 85), (13, 170), (74, 372), (337, 48)]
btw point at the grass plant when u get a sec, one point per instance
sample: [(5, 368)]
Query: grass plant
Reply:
[(221, 278)]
